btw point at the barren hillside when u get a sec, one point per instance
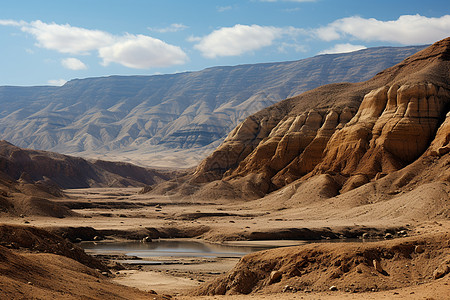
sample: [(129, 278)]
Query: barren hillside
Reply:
[(30, 179), (355, 133)]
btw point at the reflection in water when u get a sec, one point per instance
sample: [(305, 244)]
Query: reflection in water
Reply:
[(181, 248), (169, 248)]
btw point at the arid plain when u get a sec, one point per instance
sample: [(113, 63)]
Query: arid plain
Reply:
[(408, 274)]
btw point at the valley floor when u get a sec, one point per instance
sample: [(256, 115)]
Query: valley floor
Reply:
[(123, 213)]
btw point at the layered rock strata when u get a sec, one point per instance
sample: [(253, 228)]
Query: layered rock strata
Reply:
[(393, 127), (441, 144), (357, 132)]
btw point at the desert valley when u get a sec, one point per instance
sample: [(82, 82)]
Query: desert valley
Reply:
[(245, 182)]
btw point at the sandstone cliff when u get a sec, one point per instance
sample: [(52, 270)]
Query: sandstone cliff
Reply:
[(355, 132)]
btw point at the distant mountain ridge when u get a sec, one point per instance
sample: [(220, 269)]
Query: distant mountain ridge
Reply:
[(165, 120)]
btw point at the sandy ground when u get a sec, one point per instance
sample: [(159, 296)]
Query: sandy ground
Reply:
[(435, 291), (175, 279), (150, 280), (126, 210)]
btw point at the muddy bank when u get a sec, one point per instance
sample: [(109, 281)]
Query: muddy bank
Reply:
[(78, 234), (346, 267), (309, 234), (36, 264), (41, 241)]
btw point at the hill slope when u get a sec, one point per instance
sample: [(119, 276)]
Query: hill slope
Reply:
[(169, 120), (35, 264), (29, 179), (72, 172), (389, 135)]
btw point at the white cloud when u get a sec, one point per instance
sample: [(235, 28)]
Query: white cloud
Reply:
[(239, 39), (328, 33), (343, 48), (73, 64), (283, 47), (66, 38), (407, 29), (224, 8), (172, 28), (193, 39), (142, 52), (11, 23), (236, 40), (57, 82)]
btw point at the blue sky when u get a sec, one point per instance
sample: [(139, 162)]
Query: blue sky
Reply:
[(50, 42)]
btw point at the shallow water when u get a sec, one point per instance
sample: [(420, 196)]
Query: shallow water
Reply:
[(173, 251), (169, 248)]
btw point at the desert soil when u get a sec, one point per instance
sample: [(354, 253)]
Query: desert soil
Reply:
[(123, 212)]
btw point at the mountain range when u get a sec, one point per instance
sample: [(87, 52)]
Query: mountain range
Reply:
[(169, 120)]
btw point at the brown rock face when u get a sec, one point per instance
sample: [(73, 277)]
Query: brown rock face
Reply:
[(393, 127), (356, 131), (237, 146), (311, 155), (441, 143), (285, 142)]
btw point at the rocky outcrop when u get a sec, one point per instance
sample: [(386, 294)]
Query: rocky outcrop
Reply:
[(351, 267), (441, 143), (238, 145), (354, 132), (294, 147), (393, 127)]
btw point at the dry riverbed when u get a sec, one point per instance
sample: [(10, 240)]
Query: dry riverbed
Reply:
[(116, 214)]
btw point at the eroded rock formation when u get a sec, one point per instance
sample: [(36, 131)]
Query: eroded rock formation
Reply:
[(441, 144), (238, 145), (357, 132), (393, 127)]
